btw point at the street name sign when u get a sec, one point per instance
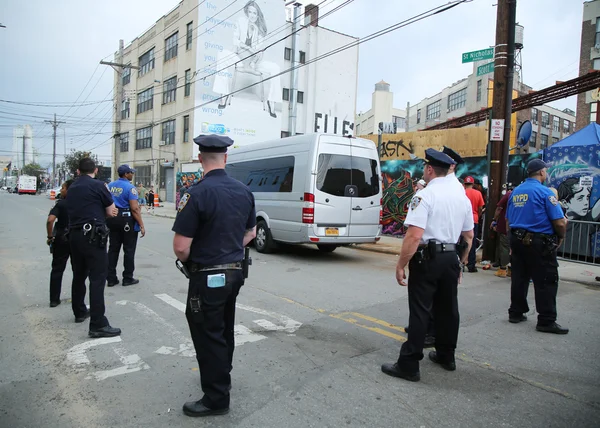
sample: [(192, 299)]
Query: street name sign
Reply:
[(497, 130), (478, 55), (485, 69)]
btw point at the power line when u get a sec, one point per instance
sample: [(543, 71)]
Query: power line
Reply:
[(54, 104)]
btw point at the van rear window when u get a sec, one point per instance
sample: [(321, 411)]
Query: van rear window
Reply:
[(335, 172)]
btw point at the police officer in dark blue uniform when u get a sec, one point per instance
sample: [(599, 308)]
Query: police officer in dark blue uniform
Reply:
[(537, 228), (88, 204), (216, 219), (124, 228)]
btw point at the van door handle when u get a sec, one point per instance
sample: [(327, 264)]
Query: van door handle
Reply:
[(357, 208)]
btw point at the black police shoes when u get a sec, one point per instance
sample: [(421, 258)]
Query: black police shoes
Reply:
[(112, 283), (429, 341), (106, 331), (395, 371), (515, 319), (131, 281), (472, 269), (55, 303), (448, 365), (196, 409), (552, 328), (83, 317)]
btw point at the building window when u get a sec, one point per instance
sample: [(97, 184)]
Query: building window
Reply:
[(433, 110), (126, 75), (302, 57), (287, 54), (300, 97), (532, 140), (145, 100), (544, 139), (143, 138), (125, 109), (146, 62), (545, 120), (597, 31), (168, 132), (143, 174), (186, 129), (188, 82), (400, 123), (285, 134), (286, 94), (171, 47), (534, 116), (457, 100), (556, 124), (169, 90), (479, 90), (124, 142), (188, 35), (566, 126), (419, 116), (554, 140)]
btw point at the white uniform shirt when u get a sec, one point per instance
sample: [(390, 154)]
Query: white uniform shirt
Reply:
[(443, 210), (454, 180)]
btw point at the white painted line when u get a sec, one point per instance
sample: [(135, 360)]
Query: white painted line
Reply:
[(77, 356), (243, 335), (171, 301), (268, 325), (289, 325), (185, 350), (131, 363), (145, 310)]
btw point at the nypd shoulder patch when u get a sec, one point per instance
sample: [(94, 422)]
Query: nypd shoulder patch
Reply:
[(553, 200), (183, 202), (414, 203), (134, 192)]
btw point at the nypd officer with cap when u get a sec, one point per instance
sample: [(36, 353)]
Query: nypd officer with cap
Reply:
[(88, 204), (537, 228), (216, 219), (452, 171), (437, 217), (124, 227)]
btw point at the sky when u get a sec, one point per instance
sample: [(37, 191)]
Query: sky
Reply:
[(51, 52)]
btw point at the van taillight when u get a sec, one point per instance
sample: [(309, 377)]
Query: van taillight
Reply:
[(381, 211), (308, 210)]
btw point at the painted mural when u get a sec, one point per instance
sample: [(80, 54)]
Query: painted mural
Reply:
[(186, 179)]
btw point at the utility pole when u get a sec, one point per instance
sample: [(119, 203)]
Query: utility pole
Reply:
[(118, 67), (54, 124), (504, 63)]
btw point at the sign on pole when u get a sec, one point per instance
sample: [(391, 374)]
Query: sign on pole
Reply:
[(478, 55), (497, 130), (485, 69), (388, 127)]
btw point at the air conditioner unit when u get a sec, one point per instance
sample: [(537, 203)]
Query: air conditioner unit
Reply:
[(162, 143)]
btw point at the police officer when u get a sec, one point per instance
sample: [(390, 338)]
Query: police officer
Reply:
[(437, 217), (88, 203), (124, 228), (452, 171), (57, 227), (216, 219), (537, 228)]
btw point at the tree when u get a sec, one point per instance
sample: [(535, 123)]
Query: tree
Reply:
[(71, 163), (34, 170)]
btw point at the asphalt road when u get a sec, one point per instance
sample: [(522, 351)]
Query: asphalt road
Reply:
[(312, 332)]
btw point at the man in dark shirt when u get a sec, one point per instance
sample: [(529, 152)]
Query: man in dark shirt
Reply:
[(88, 204), (216, 219), (503, 244), (58, 241)]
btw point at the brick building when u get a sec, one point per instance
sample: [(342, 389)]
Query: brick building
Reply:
[(589, 60)]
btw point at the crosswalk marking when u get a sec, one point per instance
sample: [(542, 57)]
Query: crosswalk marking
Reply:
[(171, 301)]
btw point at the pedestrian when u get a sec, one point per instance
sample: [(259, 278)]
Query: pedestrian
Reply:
[(216, 219), (498, 225), (151, 198), (88, 204), (537, 228), (57, 227), (142, 192), (437, 216), (477, 204), (420, 185), (124, 228)]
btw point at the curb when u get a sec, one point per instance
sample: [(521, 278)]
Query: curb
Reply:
[(374, 250)]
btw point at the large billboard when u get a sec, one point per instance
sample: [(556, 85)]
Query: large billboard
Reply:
[(233, 97)]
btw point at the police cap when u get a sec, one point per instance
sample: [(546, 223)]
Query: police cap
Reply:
[(453, 155), (125, 169), (213, 143), (436, 158), (536, 165)]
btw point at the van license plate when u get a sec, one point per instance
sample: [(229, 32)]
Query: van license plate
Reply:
[(332, 231)]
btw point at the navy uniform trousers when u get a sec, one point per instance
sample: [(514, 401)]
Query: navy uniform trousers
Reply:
[(118, 237), (432, 290), (212, 333), (88, 259), (60, 257), (539, 263)]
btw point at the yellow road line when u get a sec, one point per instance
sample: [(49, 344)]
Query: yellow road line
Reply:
[(378, 321), (342, 316)]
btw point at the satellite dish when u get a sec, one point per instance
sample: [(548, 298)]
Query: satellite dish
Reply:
[(524, 134)]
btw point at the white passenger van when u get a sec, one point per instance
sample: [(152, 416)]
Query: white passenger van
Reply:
[(315, 188)]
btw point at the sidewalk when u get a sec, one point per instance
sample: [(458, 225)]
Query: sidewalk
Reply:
[(568, 271), (166, 210)]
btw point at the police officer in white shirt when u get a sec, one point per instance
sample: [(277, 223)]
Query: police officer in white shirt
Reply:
[(438, 216), (452, 171)]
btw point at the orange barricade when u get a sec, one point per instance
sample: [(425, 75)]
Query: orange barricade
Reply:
[(52, 195), (156, 200)]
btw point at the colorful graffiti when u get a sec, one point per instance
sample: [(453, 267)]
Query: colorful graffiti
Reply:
[(186, 179)]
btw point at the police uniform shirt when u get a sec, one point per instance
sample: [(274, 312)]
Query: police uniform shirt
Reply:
[(59, 210), (442, 210), (532, 206), (122, 192), (87, 200), (453, 179), (216, 212)]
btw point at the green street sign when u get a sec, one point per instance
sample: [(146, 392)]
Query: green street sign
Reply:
[(485, 69), (478, 55)]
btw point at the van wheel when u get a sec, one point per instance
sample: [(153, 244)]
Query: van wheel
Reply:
[(263, 241), (327, 248)]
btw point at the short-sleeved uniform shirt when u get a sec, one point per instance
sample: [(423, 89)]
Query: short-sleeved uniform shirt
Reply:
[(477, 202), (122, 192), (59, 210), (216, 212), (87, 201), (442, 210), (453, 179), (532, 206)]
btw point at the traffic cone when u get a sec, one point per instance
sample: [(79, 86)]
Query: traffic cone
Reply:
[(156, 200)]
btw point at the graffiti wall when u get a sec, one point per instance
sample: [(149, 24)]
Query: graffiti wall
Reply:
[(186, 179)]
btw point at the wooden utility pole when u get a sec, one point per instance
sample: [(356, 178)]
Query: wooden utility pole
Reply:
[(504, 63), (54, 124)]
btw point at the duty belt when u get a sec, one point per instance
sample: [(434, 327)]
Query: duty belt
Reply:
[(439, 248), (197, 267)]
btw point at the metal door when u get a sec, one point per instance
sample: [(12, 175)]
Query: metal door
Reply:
[(170, 184)]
